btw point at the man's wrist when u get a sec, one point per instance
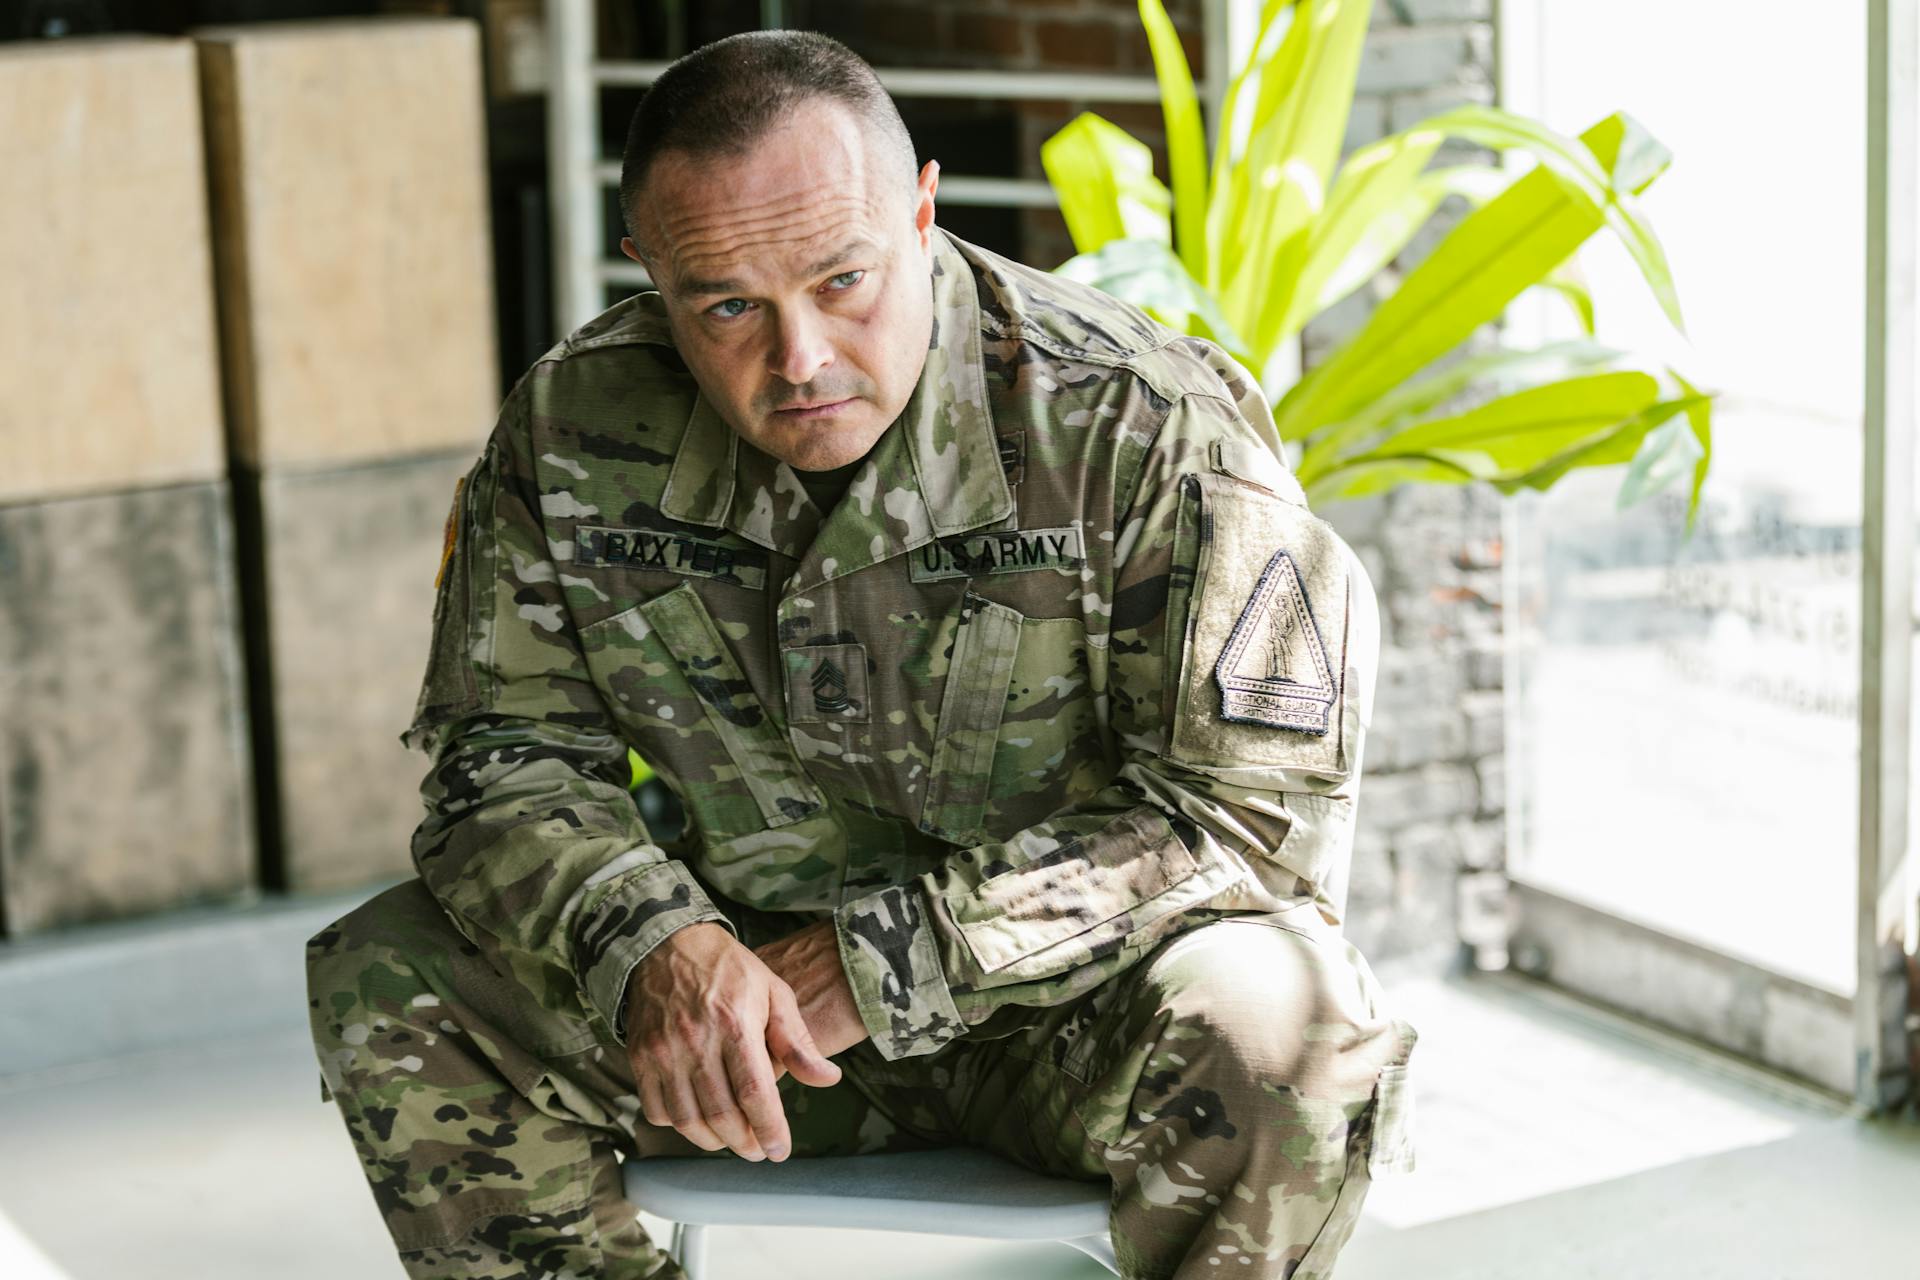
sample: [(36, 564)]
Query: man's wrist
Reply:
[(622, 928), (906, 1014)]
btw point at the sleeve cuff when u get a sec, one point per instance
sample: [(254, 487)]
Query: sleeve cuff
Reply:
[(620, 930), (893, 965)]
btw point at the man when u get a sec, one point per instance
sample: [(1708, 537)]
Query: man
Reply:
[(1015, 773)]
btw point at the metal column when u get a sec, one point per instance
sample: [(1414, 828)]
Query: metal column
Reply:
[(1886, 888)]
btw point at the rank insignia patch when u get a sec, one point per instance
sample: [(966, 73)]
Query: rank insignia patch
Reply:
[(1274, 668), (827, 684), (829, 687)]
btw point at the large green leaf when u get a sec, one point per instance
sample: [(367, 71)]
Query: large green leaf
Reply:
[(1520, 431), (1289, 164), (1508, 245), (1351, 246), (1104, 179), (1506, 370), (1186, 139), (1377, 184), (1362, 479), (1615, 446), (1467, 280), (1226, 188), (1610, 163)]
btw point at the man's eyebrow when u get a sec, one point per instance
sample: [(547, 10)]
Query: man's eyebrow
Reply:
[(697, 288)]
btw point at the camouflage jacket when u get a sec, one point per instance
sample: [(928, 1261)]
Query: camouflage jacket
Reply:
[(1066, 670)]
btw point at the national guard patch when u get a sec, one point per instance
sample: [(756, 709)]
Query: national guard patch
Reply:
[(1267, 603), (1274, 668)]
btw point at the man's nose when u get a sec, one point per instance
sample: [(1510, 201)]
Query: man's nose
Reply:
[(800, 348)]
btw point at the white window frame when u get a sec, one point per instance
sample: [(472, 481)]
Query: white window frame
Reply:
[(1855, 1047)]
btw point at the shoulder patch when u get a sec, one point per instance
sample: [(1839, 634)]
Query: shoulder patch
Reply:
[(1262, 680), (1274, 669)]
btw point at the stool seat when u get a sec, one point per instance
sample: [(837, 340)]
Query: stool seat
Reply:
[(955, 1191)]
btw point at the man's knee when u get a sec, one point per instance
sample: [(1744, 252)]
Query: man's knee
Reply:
[(1271, 1015), (367, 985), (402, 919)]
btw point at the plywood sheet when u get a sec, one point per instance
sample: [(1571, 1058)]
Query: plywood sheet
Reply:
[(124, 775), (350, 213), (349, 562), (107, 352)]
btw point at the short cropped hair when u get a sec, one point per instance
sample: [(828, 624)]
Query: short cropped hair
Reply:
[(724, 96)]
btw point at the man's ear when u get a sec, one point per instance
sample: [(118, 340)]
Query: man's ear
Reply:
[(923, 205), (632, 250)]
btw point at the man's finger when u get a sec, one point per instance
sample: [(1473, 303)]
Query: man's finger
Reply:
[(652, 1105), (683, 1112), (792, 1043), (721, 1112), (753, 1088)]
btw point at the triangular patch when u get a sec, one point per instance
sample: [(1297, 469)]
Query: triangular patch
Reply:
[(1274, 668)]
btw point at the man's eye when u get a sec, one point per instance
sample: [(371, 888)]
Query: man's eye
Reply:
[(851, 279), (720, 308)]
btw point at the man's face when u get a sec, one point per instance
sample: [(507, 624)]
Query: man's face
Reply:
[(797, 280)]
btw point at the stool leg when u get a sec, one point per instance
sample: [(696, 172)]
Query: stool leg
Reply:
[(693, 1252), (1099, 1248)]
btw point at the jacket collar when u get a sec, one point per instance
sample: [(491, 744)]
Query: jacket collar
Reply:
[(934, 472)]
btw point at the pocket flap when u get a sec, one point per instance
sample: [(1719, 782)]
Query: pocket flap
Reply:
[(1131, 872), (767, 766), (975, 698)]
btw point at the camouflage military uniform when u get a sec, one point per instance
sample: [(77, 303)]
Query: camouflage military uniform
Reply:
[(1054, 714)]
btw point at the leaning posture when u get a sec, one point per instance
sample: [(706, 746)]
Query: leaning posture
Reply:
[(1011, 691)]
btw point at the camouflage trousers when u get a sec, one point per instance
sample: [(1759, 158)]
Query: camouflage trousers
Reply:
[(1238, 1087)]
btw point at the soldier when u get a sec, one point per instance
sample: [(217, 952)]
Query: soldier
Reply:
[(949, 597)]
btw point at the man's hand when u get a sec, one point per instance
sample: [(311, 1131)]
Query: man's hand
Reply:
[(703, 1015), (809, 963)]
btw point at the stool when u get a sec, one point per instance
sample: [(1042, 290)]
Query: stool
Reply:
[(953, 1191)]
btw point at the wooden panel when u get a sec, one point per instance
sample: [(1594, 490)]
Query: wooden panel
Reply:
[(107, 346), (349, 561), (123, 767), (350, 215)]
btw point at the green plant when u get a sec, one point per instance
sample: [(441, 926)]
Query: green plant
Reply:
[(1246, 249)]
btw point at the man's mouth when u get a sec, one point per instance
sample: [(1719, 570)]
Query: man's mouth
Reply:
[(817, 409)]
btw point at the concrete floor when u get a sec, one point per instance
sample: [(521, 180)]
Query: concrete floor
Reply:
[(1554, 1144)]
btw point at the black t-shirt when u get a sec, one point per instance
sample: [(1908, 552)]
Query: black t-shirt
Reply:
[(826, 488)]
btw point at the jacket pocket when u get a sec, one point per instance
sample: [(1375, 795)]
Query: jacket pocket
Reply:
[(960, 774), (674, 684), (1037, 918), (1262, 681)]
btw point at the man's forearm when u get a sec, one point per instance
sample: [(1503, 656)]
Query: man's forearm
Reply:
[(808, 961)]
